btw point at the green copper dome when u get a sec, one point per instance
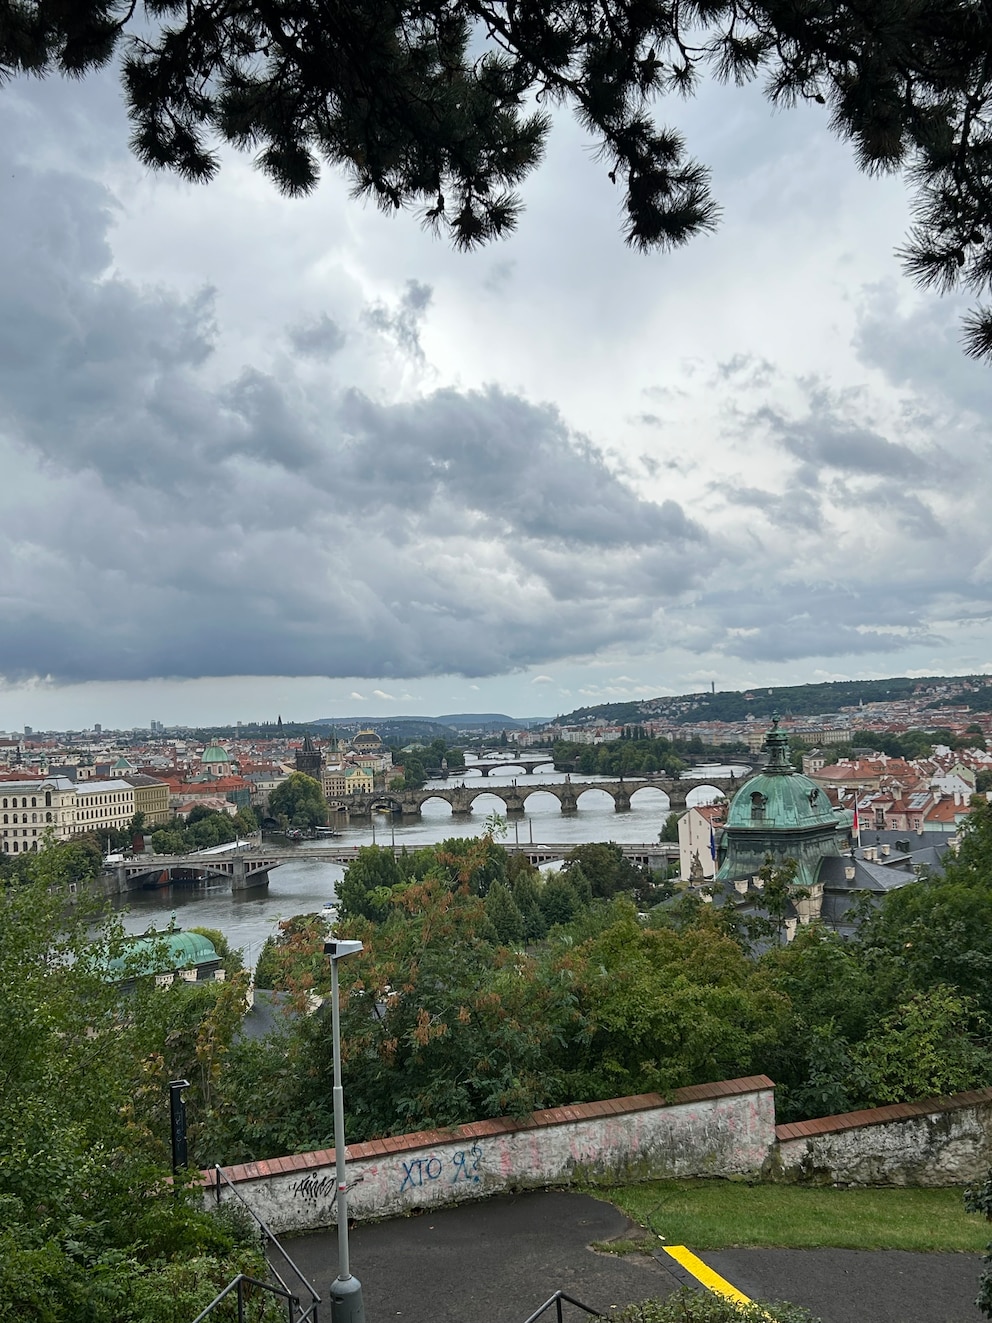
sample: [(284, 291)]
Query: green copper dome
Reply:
[(780, 798), (215, 753), (162, 952)]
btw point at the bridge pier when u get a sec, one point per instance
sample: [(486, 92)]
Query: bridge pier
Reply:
[(621, 801), (461, 804)]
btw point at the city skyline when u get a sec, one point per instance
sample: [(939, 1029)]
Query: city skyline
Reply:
[(265, 455)]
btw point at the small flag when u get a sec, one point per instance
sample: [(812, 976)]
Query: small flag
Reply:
[(856, 825)]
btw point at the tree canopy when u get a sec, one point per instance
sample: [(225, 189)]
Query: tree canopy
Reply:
[(443, 105), (299, 800)]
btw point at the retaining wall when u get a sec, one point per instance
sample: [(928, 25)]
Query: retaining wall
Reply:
[(718, 1129), (938, 1141), (723, 1129)]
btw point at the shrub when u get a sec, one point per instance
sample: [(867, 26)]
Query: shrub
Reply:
[(705, 1307)]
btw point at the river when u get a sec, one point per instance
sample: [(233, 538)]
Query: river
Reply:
[(302, 886)]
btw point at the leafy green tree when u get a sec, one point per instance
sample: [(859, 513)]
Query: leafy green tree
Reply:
[(414, 772), (779, 894), (503, 914), (558, 901), (662, 1009), (299, 802), (214, 829), (527, 898), (935, 1043), (169, 841), (605, 866), (293, 960), (670, 831), (368, 882), (90, 1226)]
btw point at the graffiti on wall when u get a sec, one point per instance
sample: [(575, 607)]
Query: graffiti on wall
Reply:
[(461, 1166), (314, 1187)]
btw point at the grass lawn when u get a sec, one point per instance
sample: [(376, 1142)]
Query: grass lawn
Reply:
[(705, 1214)]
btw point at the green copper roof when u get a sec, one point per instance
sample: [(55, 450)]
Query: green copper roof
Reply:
[(215, 753), (779, 797), (160, 953)]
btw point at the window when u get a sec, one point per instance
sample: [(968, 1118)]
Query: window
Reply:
[(34, 801), (48, 817), (758, 802), (5, 816), (48, 799)]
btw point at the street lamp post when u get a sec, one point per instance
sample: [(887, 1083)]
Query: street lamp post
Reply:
[(347, 1305)]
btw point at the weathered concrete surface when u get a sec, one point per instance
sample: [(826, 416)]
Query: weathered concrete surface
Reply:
[(857, 1286), (939, 1141), (710, 1129), (492, 1262), (722, 1129)]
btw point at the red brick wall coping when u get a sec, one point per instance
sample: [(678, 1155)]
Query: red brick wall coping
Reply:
[(504, 1125), (827, 1125)]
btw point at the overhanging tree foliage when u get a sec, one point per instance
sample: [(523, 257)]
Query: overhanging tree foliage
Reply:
[(443, 104)]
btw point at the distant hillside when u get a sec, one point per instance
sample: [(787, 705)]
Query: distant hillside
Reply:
[(489, 721), (417, 727), (393, 730), (804, 700)]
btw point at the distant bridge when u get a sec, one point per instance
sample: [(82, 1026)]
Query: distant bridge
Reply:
[(506, 764), (409, 803), (251, 868)]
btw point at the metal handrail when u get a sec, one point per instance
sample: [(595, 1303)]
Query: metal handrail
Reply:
[(556, 1300), (310, 1313), (238, 1285)]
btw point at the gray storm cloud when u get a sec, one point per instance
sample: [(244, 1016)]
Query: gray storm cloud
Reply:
[(174, 524), (163, 515)]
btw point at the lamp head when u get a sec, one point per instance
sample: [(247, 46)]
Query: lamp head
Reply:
[(337, 949)]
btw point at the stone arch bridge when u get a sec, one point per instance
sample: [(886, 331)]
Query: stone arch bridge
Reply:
[(409, 803)]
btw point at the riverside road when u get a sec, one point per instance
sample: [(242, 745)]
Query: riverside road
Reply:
[(497, 1260)]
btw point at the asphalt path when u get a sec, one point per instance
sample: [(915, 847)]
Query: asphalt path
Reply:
[(858, 1286), (494, 1261), (497, 1260)]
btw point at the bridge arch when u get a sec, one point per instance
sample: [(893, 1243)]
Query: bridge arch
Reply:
[(432, 796), (386, 804), (651, 794), (583, 791), (703, 793), (531, 791)]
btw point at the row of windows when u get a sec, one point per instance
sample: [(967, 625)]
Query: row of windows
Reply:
[(24, 801), (34, 817), (24, 830), (6, 850)]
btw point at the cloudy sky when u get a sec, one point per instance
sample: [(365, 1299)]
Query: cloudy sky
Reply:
[(263, 456)]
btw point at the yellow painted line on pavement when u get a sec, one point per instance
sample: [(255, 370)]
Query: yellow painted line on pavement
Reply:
[(710, 1279)]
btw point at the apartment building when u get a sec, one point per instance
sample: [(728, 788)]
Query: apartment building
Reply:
[(30, 810)]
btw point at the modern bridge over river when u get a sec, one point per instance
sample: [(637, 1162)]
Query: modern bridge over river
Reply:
[(251, 867)]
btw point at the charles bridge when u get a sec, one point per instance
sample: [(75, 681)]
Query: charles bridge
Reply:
[(409, 803)]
